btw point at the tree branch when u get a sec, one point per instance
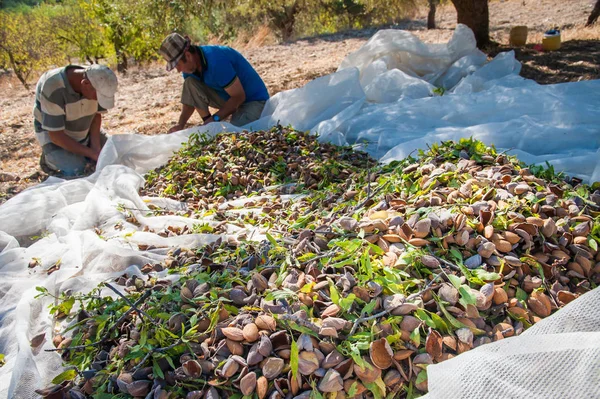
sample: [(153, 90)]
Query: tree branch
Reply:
[(111, 329), (387, 311)]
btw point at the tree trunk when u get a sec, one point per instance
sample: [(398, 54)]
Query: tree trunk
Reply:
[(16, 69), (594, 14), (475, 14), (283, 19), (431, 14), (121, 62)]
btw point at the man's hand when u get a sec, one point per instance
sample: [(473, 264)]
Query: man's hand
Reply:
[(186, 113), (61, 139), (175, 128)]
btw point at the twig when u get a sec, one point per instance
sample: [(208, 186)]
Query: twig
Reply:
[(368, 179), (325, 255), (336, 234), (151, 210), (157, 350), (444, 261), (110, 330), (387, 311), (304, 323), (369, 197), (140, 312)]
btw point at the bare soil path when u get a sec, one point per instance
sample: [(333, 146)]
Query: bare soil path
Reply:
[(148, 99)]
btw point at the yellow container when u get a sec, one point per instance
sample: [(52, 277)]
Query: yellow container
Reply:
[(551, 43), (518, 36)]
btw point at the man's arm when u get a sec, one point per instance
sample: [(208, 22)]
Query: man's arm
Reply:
[(237, 96), (186, 112), (95, 133), (60, 138)]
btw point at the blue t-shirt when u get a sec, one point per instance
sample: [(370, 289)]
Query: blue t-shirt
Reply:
[(221, 65)]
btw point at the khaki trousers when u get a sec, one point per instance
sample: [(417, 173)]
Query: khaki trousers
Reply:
[(198, 95)]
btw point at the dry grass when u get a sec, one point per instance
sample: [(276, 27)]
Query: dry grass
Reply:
[(263, 36)]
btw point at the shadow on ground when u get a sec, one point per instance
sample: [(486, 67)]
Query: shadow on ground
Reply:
[(575, 60)]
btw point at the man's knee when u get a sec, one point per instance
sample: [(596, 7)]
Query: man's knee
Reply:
[(247, 113), (63, 161), (194, 93)]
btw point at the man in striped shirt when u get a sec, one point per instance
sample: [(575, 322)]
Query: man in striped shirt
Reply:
[(67, 116)]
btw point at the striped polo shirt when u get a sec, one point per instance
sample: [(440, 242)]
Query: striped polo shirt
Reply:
[(59, 107)]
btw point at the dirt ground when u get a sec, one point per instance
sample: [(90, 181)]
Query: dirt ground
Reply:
[(148, 98)]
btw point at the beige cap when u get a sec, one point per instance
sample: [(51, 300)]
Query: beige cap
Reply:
[(104, 82)]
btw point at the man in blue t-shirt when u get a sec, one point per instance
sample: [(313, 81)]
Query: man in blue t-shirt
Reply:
[(215, 76)]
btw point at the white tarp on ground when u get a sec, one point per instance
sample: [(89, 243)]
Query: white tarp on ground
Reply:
[(384, 95)]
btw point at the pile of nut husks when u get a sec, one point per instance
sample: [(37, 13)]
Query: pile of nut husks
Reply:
[(360, 285), (236, 165)]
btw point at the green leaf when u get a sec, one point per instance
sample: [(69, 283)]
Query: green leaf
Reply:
[(368, 309), (486, 276), (353, 389), (593, 244), (307, 288), (156, 370), (455, 280), (294, 359), (271, 240), (376, 390), (349, 247), (356, 356), (422, 314), (467, 297), (335, 296), (415, 337), (66, 306), (455, 323), (170, 361), (376, 249), (456, 254), (421, 377), (347, 302), (143, 336), (193, 320), (381, 386), (440, 324), (314, 393), (521, 295), (67, 375), (365, 262)]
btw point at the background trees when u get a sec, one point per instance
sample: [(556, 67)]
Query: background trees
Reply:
[(35, 35), (23, 47)]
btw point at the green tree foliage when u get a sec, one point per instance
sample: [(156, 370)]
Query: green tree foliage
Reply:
[(293, 18), (26, 48), (135, 28), (36, 34), (75, 27)]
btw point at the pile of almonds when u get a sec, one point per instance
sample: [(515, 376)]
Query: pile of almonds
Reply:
[(235, 165), (428, 259)]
